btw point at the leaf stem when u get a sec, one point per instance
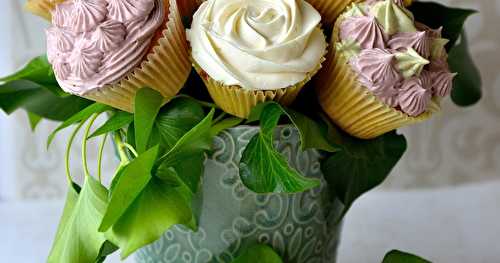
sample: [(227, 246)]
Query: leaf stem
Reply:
[(99, 159), (219, 118), (124, 160), (68, 149), (131, 149), (84, 144)]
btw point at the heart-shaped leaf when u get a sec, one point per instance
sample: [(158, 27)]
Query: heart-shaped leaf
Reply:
[(258, 253), (147, 105), (397, 256)]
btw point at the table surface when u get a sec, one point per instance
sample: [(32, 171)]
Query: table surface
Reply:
[(447, 225)]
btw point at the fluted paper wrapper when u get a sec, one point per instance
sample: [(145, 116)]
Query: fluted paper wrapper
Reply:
[(165, 69), (42, 8), (239, 102), (353, 107)]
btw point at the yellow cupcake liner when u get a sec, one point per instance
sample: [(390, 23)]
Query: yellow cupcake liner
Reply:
[(42, 8), (165, 69), (353, 107), (239, 102)]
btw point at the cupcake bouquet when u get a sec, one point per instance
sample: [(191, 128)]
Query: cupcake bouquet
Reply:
[(237, 123)]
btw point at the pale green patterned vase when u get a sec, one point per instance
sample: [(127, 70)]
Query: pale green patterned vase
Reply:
[(300, 227)]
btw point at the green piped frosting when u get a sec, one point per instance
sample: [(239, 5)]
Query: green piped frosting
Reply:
[(348, 49), (354, 10), (410, 63), (393, 18)]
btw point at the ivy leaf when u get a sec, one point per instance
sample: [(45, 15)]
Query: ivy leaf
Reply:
[(119, 120), (37, 99), (37, 70), (177, 118), (262, 168), (225, 124), (361, 165), (436, 15), (34, 120), (187, 155), (78, 117), (258, 253), (396, 256), (78, 239), (131, 181), (312, 134), (147, 105), (467, 84), (155, 210)]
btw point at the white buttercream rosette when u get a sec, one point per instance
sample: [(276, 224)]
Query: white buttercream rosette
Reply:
[(257, 44)]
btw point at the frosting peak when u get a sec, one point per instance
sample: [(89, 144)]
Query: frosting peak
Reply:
[(443, 83), (257, 44), (365, 30), (418, 41), (414, 97), (93, 43), (410, 63), (393, 17)]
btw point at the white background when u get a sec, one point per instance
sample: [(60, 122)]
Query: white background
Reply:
[(442, 201)]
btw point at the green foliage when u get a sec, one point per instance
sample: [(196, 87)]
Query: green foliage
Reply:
[(467, 84), (35, 90), (437, 15), (361, 165), (119, 120), (262, 168), (258, 253), (146, 107), (132, 180), (78, 239), (396, 256)]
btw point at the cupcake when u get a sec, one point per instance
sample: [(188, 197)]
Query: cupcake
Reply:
[(106, 50), (388, 70), (251, 51)]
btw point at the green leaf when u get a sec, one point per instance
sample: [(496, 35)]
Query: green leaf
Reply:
[(37, 70), (83, 115), (132, 180), (312, 134), (262, 168), (396, 256), (107, 249), (176, 119), (225, 124), (38, 100), (436, 15), (156, 209), (467, 84), (116, 122), (258, 253), (147, 105), (34, 120), (361, 165), (78, 239), (187, 155)]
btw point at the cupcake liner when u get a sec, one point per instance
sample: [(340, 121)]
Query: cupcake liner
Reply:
[(42, 8), (352, 106), (165, 69), (239, 102)]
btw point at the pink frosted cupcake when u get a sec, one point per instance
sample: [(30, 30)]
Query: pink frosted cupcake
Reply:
[(389, 70), (106, 50)]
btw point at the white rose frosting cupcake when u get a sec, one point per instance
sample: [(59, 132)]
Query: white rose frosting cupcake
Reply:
[(250, 51)]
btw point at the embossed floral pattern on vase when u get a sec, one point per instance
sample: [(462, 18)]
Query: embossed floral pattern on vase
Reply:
[(300, 227)]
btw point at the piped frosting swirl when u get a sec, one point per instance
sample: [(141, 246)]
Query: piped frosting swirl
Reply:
[(400, 61), (93, 43)]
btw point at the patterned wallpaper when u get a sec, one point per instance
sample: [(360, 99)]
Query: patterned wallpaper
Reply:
[(458, 146)]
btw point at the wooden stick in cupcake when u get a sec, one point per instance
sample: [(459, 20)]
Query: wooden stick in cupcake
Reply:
[(251, 51), (388, 70)]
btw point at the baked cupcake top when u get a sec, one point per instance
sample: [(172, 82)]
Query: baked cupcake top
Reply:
[(403, 62), (257, 44), (93, 43)]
